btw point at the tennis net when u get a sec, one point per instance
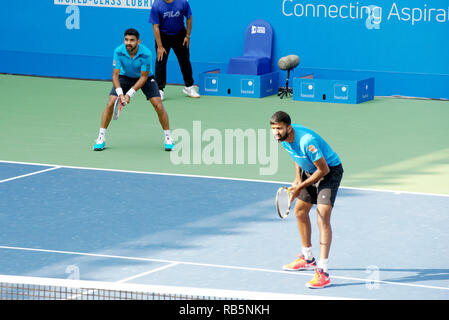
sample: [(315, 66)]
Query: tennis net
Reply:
[(36, 288)]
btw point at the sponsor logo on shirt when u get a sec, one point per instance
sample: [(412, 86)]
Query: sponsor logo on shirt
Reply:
[(172, 14), (312, 148)]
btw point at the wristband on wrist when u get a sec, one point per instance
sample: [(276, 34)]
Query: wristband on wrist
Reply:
[(131, 92), (187, 36), (119, 91)]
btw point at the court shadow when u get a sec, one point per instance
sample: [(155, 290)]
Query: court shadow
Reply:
[(340, 285), (413, 274), (419, 275)]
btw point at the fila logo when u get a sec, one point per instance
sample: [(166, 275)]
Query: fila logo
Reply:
[(171, 14)]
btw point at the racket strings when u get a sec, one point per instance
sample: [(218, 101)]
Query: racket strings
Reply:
[(117, 108), (283, 202)]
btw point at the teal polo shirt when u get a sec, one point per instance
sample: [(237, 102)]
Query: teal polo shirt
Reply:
[(132, 67), (309, 147)]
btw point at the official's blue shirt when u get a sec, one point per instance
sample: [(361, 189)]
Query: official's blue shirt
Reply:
[(170, 16), (309, 147), (132, 67)]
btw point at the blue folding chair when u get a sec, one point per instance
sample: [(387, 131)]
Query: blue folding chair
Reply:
[(256, 59)]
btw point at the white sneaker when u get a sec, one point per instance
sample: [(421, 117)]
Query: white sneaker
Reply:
[(191, 92), (162, 94)]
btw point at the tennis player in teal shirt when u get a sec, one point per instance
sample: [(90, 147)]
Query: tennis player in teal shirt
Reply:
[(132, 71), (318, 173)]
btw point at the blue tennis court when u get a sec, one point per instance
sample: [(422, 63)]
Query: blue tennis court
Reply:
[(205, 232)]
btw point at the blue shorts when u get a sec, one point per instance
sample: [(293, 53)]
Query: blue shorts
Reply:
[(150, 88)]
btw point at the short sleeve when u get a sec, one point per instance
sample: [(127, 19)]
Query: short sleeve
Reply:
[(147, 63), (187, 10), (154, 15), (116, 64), (313, 150)]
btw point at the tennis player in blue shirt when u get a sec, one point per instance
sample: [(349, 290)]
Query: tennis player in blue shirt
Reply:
[(318, 173), (132, 72), (167, 17)]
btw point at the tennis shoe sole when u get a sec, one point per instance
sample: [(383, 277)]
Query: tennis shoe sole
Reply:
[(100, 147)]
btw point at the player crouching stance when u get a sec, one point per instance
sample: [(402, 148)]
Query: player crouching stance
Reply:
[(318, 173), (132, 71)]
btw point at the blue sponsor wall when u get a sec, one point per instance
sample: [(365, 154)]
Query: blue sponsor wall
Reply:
[(403, 44)]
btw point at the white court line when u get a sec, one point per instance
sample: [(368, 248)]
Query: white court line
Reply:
[(29, 174), (217, 178), (221, 266), (148, 272)]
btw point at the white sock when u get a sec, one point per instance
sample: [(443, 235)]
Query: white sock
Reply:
[(102, 132), (307, 252), (322, 264), (167, 133)]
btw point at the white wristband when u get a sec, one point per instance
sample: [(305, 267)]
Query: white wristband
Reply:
[(119, 91), (131, 92)]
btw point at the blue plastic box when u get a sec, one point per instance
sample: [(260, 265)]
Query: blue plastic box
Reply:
[(334, 87), (215, 83)]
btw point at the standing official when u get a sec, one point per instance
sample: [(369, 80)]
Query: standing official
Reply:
[(167, 17)]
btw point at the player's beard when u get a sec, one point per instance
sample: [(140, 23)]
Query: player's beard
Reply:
[(131, 49), (282, 138)]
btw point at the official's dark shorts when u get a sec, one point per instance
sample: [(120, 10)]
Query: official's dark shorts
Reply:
[(325, 190), (150, 88)]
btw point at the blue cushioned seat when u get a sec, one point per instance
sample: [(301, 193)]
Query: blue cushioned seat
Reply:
[(256, 59)]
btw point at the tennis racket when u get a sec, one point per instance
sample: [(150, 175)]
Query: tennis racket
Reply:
[(283, 202), (117, 108)]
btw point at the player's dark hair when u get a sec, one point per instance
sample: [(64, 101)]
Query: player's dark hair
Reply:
[(132, 32), (281, 116)]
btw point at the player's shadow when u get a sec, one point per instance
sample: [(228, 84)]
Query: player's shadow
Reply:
[(391, 275)]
